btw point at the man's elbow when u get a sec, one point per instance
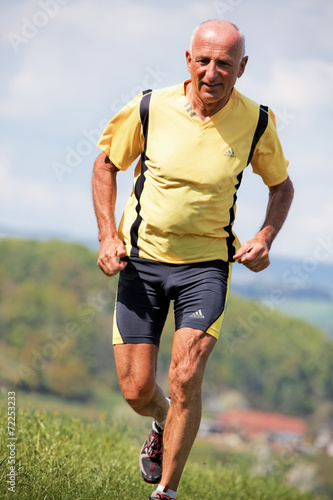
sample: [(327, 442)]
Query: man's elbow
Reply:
[(290, 188), (286, 187), (103, 162), (286, 192)]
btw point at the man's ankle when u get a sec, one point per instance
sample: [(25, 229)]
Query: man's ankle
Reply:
[(162, 424), (167, 491)]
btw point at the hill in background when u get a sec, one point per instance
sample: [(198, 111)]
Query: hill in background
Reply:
[(302, 289), (56, 319)]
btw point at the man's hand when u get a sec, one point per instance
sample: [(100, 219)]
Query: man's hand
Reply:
[(111, 250), (104, 195), (254, 254)]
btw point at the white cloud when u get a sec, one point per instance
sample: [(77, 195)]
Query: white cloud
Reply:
[(125, 19), (312, 163), (301, 86), (33, 90), (320, 220), (72, 61), (27, 193), (127, 23), (25, 90), (30, 204)]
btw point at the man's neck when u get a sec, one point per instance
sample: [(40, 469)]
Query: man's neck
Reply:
[(203, 110)]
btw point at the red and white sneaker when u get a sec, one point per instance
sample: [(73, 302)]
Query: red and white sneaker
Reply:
[(151, 456), (160, 495)]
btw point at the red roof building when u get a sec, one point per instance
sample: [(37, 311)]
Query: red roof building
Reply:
[(252, 424)]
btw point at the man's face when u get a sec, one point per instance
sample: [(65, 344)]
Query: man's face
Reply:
[(214, 64)]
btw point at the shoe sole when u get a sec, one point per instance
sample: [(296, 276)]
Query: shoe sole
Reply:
[(151, 480)]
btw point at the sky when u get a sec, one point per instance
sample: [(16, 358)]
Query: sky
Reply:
[(67, 66)]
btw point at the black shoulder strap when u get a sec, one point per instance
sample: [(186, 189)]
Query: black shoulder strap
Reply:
[(261, 127)]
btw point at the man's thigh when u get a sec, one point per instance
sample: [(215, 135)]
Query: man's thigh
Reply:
[(202, 293), (141, 305), (190, 351), (136, 366)]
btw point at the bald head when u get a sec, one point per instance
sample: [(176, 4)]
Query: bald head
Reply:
[(215, 62), (227, 33)]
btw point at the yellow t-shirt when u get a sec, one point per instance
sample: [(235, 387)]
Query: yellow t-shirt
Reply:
[(185, 186)]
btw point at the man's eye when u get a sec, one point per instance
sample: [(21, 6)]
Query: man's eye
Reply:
[(222, 64)]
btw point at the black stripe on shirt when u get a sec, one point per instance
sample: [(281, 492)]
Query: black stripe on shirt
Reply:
[(144, 116), (260, 129), (228, 228)]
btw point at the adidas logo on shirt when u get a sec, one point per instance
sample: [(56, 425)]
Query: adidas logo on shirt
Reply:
[(197, 314), (230, 153)]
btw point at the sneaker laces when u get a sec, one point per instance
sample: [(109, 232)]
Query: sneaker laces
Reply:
[(162, 496), (153, 446)]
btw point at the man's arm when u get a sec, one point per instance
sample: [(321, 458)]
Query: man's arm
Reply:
[(104, 195), (254, 254)]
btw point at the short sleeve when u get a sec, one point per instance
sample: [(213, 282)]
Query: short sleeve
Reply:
[(268, 160), (122, 139)]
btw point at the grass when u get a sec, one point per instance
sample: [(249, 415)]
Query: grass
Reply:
[(59, 456)]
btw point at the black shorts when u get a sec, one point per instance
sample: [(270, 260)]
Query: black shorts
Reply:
[(146, 287)]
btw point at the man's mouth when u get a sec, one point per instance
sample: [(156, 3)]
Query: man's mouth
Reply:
[(211, 85)]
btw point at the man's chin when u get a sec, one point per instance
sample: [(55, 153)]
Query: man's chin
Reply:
[(211, 97), (211, 93)]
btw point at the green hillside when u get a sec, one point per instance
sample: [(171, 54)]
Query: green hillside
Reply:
[(56, 319), (67, 458)]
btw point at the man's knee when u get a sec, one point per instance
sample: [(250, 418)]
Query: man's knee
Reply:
[(137, 394), (136, 368), (191, 350), (184, 383)]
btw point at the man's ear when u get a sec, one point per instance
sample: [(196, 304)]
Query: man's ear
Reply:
[(242, 66), (189, 60)]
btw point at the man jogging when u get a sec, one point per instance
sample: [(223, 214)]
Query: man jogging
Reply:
[(175, 240)]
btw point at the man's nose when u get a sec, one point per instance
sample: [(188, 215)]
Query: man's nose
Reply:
[(211, 70)]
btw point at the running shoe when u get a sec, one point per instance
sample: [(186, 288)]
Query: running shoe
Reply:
[(151, 456), (159, 495)]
